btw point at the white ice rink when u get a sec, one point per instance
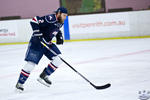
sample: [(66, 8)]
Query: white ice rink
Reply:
[(123, 63)]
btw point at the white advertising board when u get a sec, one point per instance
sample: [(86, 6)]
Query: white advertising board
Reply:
[(8, 29), (98, 23)]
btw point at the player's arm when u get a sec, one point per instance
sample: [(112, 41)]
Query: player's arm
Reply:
[(38, 22), (59, 38), (35, 24)]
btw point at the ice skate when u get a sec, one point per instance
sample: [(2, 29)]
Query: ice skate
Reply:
[(19, 87), (43, 79)]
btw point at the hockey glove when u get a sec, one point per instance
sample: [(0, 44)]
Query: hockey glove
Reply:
[(59, 38)]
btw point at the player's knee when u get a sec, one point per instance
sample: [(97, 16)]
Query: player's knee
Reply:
[(56, 61), (29, 66)]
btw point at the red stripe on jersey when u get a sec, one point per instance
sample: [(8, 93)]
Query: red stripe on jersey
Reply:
[(34, 19)]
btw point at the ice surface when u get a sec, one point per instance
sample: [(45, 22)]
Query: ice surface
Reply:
[(123, 63)]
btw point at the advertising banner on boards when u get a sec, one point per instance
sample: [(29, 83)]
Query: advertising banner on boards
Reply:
[(99, 23), (8, 29)]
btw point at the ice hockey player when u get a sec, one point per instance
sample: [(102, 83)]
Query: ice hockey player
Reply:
[(44, 29)]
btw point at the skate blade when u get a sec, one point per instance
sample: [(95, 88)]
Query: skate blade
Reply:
[(18, 91), (43, 82)]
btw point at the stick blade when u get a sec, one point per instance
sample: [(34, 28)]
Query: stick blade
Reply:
[(103, 86)]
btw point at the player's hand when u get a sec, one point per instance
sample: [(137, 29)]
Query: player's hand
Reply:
[(59, 38)]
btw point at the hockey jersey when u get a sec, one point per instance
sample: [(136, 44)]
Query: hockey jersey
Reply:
[(46, 26)]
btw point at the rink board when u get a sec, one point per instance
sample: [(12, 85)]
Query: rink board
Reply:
[(92, 27)]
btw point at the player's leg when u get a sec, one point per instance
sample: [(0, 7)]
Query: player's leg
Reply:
[(54, 64), (33, 57), (25, 72)]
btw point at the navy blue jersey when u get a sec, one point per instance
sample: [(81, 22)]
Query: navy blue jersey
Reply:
[(47, 26)]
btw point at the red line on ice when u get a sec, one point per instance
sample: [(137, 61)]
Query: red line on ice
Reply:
[(88, 61)]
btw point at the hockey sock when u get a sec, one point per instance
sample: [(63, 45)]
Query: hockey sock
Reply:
[(50, 69), (23, 76)]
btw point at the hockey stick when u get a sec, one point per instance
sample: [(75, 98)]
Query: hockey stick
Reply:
[(96, 87)]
